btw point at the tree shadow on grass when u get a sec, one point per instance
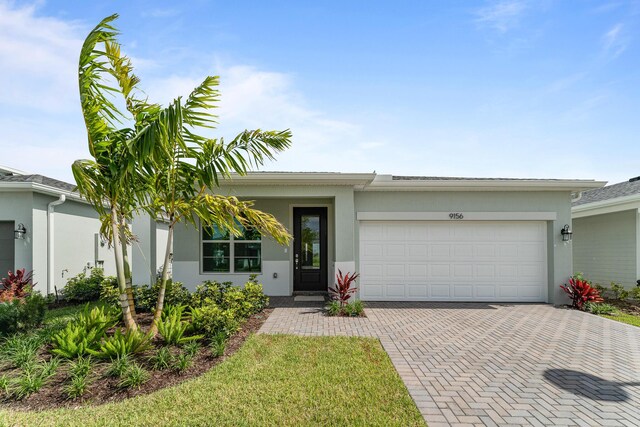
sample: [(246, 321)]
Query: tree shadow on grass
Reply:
[(589, 386)]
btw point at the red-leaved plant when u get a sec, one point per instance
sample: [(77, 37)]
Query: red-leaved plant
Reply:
[(580, 292), (16, 285), (343, 290)]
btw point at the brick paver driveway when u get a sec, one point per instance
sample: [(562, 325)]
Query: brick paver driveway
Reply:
[(496, 364)]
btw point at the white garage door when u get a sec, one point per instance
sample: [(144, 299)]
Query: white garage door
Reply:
[(453, 261)]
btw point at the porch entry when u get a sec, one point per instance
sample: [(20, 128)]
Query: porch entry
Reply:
[(7, 247), (309, 249)]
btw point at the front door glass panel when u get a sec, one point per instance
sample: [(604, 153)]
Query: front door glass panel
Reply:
[(310, 242)]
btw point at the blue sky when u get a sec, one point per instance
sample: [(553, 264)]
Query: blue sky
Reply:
[(512, 88)]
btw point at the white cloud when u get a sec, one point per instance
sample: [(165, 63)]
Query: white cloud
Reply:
[(38, 58), (615, 41), (253, 98), (502, 15)]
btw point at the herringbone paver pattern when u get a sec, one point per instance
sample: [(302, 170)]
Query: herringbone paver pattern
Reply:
[(497, 364)]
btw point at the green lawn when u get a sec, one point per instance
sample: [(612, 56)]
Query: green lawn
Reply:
[(271, 380), (625, 318)]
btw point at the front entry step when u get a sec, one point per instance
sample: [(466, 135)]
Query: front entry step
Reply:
[(308, 298)]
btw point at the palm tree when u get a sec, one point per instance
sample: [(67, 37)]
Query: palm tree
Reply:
[(114, 181), (192, 165)]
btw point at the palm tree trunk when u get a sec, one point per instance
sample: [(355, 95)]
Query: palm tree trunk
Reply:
[(127, 270), (163, 283), (129, 320)]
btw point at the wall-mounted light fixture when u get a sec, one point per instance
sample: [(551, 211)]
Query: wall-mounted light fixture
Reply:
[(20, 232), (566, 233)]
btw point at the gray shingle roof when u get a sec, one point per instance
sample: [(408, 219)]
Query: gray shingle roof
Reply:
[(614, 191), (39, 179)]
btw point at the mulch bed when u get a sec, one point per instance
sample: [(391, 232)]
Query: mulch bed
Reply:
[(628, 307), (103, 389)]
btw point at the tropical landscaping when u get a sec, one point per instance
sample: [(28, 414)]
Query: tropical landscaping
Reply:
[(612, 302)]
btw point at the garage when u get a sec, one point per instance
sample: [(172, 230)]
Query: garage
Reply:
[(453, 261)]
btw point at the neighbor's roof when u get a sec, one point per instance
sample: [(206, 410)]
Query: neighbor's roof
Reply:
[(622, 189), (39, 179)]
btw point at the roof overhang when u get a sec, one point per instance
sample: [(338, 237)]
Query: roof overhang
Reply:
[(300, 178), (386, 183), (39, 188), (618, 204)]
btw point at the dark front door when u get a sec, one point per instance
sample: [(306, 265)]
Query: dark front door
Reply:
[(7, 248), (310, 249)]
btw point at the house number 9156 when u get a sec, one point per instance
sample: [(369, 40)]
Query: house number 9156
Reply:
[(456, 215)]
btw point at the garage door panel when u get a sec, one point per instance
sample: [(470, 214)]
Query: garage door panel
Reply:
[(457, 261), (439, 291), (395, 250), (418, 290)]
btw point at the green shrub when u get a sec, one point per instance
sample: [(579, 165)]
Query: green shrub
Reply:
[(22, 314), (75, 341), (20, 349), (635, 293), (210, 292), (191, 348), (133, 377), (175, 294), (5, 386), (619, 292), (172, 328), (145, 296), (109, 292), (211, 320), (354, 309), (235, 300), (218, 345), (119, 344), (50, 367), (77, 386), (118, 366), (182, 362), (80, 367), (161, 360), (600, 308), (254, 295), (29, 382), (100, 318), (334, 308), (83, 289)]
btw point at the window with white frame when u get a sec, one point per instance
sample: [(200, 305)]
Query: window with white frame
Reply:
[(223, 252)]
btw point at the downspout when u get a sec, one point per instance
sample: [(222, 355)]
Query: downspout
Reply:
[(50, 235)]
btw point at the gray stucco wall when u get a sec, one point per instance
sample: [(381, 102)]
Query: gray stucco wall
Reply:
[(16, 206), (343, 226), (275, 257), (605, 247), (558, 252)]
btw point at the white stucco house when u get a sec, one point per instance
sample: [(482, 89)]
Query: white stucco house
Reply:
[(606, 223), (45, 226), (410, 238)]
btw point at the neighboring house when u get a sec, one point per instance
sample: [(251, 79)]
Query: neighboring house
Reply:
[(45, 226), (606, 226), (410, 238)]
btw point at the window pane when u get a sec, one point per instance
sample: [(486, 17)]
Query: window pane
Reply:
[(249, 233), (247, 250), (218, 250), (310, 242), (219, 265), (213, 233), (252, 265)]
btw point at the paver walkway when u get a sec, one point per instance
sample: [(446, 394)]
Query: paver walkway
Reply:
[(496, 364)]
